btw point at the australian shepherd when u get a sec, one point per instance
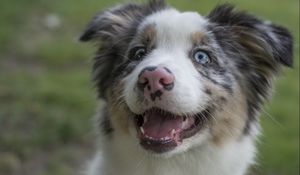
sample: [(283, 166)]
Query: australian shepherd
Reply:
[(182, 91)]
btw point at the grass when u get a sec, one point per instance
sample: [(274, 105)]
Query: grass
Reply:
[(46, 98)]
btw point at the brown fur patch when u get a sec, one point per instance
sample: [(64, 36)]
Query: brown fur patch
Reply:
[(119, 113), (198, 38), (230, 113), (230, 119), (149, 35)]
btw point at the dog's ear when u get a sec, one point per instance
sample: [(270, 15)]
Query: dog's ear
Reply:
[(257, 49), (110, 24), (254, 34)]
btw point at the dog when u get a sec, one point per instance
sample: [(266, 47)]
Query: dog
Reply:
[(182, 92)]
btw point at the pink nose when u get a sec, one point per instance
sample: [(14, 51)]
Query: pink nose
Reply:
[(154, 81)]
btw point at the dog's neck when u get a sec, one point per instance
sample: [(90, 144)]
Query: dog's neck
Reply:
[(122, 158)]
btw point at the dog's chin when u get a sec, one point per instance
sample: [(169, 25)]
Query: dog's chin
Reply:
[(162, 132)]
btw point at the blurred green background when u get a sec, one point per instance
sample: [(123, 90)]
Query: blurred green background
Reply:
[(47, 99)]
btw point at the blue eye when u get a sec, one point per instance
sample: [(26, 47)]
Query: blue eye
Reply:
[(201, 57)]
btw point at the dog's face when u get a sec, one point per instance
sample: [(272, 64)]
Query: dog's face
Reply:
[(174, 80)]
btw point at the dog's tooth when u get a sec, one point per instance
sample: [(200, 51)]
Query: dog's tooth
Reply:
[(184, 124), (142, 130), (149, 137), (145, 119), (166, 138), (173, 132)]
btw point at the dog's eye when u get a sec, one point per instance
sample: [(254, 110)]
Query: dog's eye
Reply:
[(202, 57), (137, 53)]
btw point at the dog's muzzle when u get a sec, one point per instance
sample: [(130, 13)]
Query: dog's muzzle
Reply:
[(159, 129)]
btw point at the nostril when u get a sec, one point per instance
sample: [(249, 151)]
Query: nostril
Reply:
[(162, 81), (167, 83), (167, 80), (143, 80), (142, 83), (158, 78)]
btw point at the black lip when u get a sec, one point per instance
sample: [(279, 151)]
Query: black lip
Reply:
[(162, 146), (158, 146), (138, 120)]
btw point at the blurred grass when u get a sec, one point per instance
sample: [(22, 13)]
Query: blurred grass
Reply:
[(46, 98)]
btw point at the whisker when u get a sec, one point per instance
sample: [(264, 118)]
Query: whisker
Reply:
[(273, 118), (139, 164)]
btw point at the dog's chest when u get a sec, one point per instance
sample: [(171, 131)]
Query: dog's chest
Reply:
[(203, 161)]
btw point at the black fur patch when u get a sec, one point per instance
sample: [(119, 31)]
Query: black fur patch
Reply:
[(105, 123), (208, 91), (226, 86)]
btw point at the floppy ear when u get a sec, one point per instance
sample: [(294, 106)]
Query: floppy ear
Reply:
[(112, 23), (275, 40)]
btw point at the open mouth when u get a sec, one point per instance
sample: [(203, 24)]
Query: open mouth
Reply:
[(161, 131)]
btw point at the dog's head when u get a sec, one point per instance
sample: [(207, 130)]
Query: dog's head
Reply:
[(176, 80)]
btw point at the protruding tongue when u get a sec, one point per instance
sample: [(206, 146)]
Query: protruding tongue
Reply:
[(158, 125)]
